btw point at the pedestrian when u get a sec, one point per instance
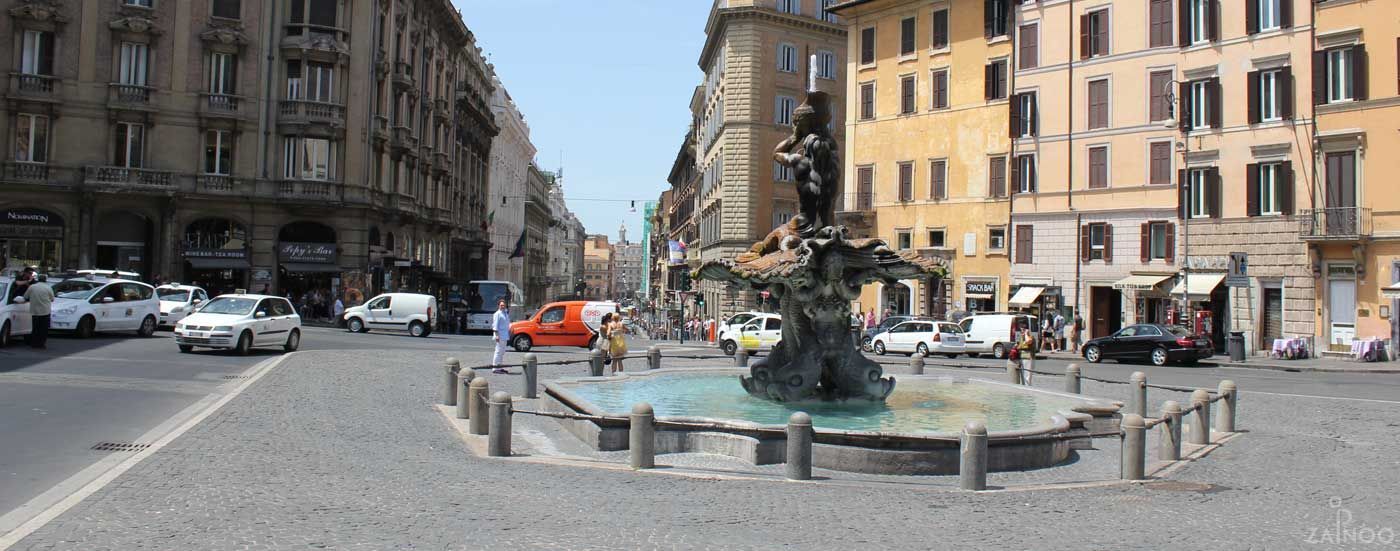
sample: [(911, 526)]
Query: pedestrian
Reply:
[(339, 312), (40, 298), (500, 331), (617, 343), (1059, 325), (25, 278), (1024, 347), (1077, 336)]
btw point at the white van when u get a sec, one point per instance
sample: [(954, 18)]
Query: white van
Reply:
[(410, 312), (994, 334)]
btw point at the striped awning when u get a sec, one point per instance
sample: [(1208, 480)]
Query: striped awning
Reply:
[(1201, 286), (1025, 296), (1140, 282)]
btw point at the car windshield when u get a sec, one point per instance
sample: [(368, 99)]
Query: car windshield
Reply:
[(1178, 331), (173, 295), (76, 288), (739, 318), (229, 305)]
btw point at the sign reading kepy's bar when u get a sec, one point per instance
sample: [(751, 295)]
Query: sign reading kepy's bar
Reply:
[(319, 253)]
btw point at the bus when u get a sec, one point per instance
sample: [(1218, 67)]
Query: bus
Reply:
[(481, 297)]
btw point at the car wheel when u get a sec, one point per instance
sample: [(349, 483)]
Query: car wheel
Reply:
[(922, 349), (1159, 356), (880, 348), (245, 344), (86, 327), (148, 327), (186, 349), (5, 334), (293, 341), (729, 348), (999, 351), (592, 341), (355, 325), (1093, 354), (521, 343), (417, 329), (951, 356)]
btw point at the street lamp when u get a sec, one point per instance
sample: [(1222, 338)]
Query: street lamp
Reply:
[(1169, 95)]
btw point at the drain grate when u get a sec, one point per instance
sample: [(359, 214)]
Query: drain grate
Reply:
[(119, 447), (233, 377)]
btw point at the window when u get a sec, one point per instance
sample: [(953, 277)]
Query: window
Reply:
[(787, 58), (1160, 170), (1158, 241), (294, 83), (218, 152), (1265, 15), (994, 18), (1342, 68), (1201, 104), (31, 138), (1201, 14), (865, 190), (783, 109), (1159, 109), (867, 101), (826, 15), (994, 81), (790, 6), (1093, 34), (906, 94), (996, 176), (906, 181), (782, 172), (130, 143), (938, 89), (1024, 172), (1023, 115), (222, 71), (142, 3), (906, 36), (782, 213), (996, 239), (320, 82), (867, 46), (1159, 25), (322, 13), (309, 159), (1098, 167), (1265, 101), (938, 179), (227, 9), (1025, 244), (1029, 54), (938, 238), (1099, 242), (36, 55), (1098, 104), (826, 64), (904, 239), (940, 29), (1270, 189), (1198, 196), (131, 68)]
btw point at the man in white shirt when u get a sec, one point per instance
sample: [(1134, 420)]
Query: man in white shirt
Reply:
[(339, 310), (500, 331)]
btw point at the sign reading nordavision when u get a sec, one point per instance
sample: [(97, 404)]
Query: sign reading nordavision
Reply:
[(317, 253), (34, 223)]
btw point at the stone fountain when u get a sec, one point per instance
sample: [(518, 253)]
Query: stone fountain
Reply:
[(815, 270)]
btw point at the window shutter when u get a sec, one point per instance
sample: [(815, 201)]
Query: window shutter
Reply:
[(1181, 186), (867, 45), (46, 53), (1146, 253), (1358, 72), (1016, 115), (1030, 178), (1285, 191), (989, 81), (1171, 243), (1183, 99), (1084, 37), (1029, 246), (1285, 13), (1216, 99), (1319, 77), (1034, 114), (1102, 46), (906, 35), (988, 17), (1252, 189), (1251, 15), (1252, 86), (1213, 191), (1213, 18), (1084, 244), (1183, 18), (1285, 93), (1107, 243), (1015, 175)]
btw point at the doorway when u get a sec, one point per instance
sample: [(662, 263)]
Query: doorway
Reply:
[(1341, 305), (1106, 311), (1271, 316), (1341, 193)]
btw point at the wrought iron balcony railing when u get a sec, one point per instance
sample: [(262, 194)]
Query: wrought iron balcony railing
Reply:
[(1336, 223)]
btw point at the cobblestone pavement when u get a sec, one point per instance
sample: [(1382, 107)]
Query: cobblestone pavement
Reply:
[(347, 450)]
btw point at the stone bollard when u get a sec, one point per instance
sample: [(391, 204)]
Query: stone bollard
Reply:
[(498, 430), (1169, 443), (799, 446), (1225, 418), (532, 376), (741, 357), (1134, 447), (1013, 372), (464, 381), (476, 402), (449, 395), (641, 437), (1200, 426), (654, 357), (1072, 378), (595, 362), (1137, 401), (916, 365), (972, 452)]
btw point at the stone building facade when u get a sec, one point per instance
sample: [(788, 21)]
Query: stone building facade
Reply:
[(598, 269), (512, 155), (538, 219)]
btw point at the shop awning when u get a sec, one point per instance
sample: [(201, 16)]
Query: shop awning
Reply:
[(1201, 286), (218, 263), (310, 267), (982, 296), (1140, 282), (1025, 296)]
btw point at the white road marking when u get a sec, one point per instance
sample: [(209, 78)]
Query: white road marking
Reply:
[(1323, 397)]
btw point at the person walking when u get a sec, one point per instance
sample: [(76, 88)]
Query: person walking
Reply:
[(1059, 324), (40, 298), (617, 343), (500, 331), (1077, 336), (339, 312), (1026, 346)]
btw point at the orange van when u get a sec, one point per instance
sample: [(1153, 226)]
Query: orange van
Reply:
[(568, 323)]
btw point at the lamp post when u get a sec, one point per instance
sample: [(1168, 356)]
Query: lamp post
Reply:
[(1169, 95)]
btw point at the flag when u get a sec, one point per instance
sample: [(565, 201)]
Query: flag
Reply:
[(677, 253), (490, 219), (519, 251)]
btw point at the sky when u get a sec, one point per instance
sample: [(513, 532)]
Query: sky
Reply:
[(605, 84)]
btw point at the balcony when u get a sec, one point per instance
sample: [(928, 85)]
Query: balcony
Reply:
[(380, 131), (1335, 224), (403, 140), (129, 96), (294, 111), (403, 75), (123, 178), (441, 110), (219, 105), (34, 87), (313, 190), (442, 163), (219, 184)]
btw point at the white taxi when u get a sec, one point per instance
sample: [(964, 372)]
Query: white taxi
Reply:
[(178, 301), (91, 304), (14, 315), (239, 323)]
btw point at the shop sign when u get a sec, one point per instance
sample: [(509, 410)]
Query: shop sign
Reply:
[(22, 222), (1212, 263), (980, 287), (262, 275), (1238, 275), (237, 254), (319, 253)]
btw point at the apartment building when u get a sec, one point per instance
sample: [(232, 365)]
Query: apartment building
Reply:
[(598, 269), (756, 65), (245, 144), (512, 155), (927, 162), (535, 241)]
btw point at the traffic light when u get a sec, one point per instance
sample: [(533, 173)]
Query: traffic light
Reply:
[(685, 282), (699, 300)]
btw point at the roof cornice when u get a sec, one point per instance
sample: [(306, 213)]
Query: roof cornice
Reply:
[(721, 17)]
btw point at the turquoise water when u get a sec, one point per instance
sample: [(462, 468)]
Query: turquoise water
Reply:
[(917, 405)]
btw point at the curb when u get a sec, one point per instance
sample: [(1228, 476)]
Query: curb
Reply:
[(1268, 366)]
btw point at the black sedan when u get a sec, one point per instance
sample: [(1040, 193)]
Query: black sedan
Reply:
[(1159, 344)]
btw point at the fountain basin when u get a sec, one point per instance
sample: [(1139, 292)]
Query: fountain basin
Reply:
[(915, 431)]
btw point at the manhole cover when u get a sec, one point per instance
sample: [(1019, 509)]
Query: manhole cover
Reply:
[(119, 447), (1183, 486)]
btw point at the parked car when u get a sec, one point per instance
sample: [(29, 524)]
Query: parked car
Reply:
[(762, 332), (178, 301), (1159, 344), (885, 325), (14, 314), (91, 304), (733, 324), (240, 323), (411, 312), (921, 337), (994, 333), (568, 323)]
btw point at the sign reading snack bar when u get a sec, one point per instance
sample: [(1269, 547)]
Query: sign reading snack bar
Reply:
[(318, 253), (32, 223), (980, 287)]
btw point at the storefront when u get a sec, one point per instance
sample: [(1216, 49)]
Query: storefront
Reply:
[(1210, 305), (308, 268), (979, 294), (30, 237), (124, 242), (215, 252), (1150, 301), (896, 299), (1040, 300)]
